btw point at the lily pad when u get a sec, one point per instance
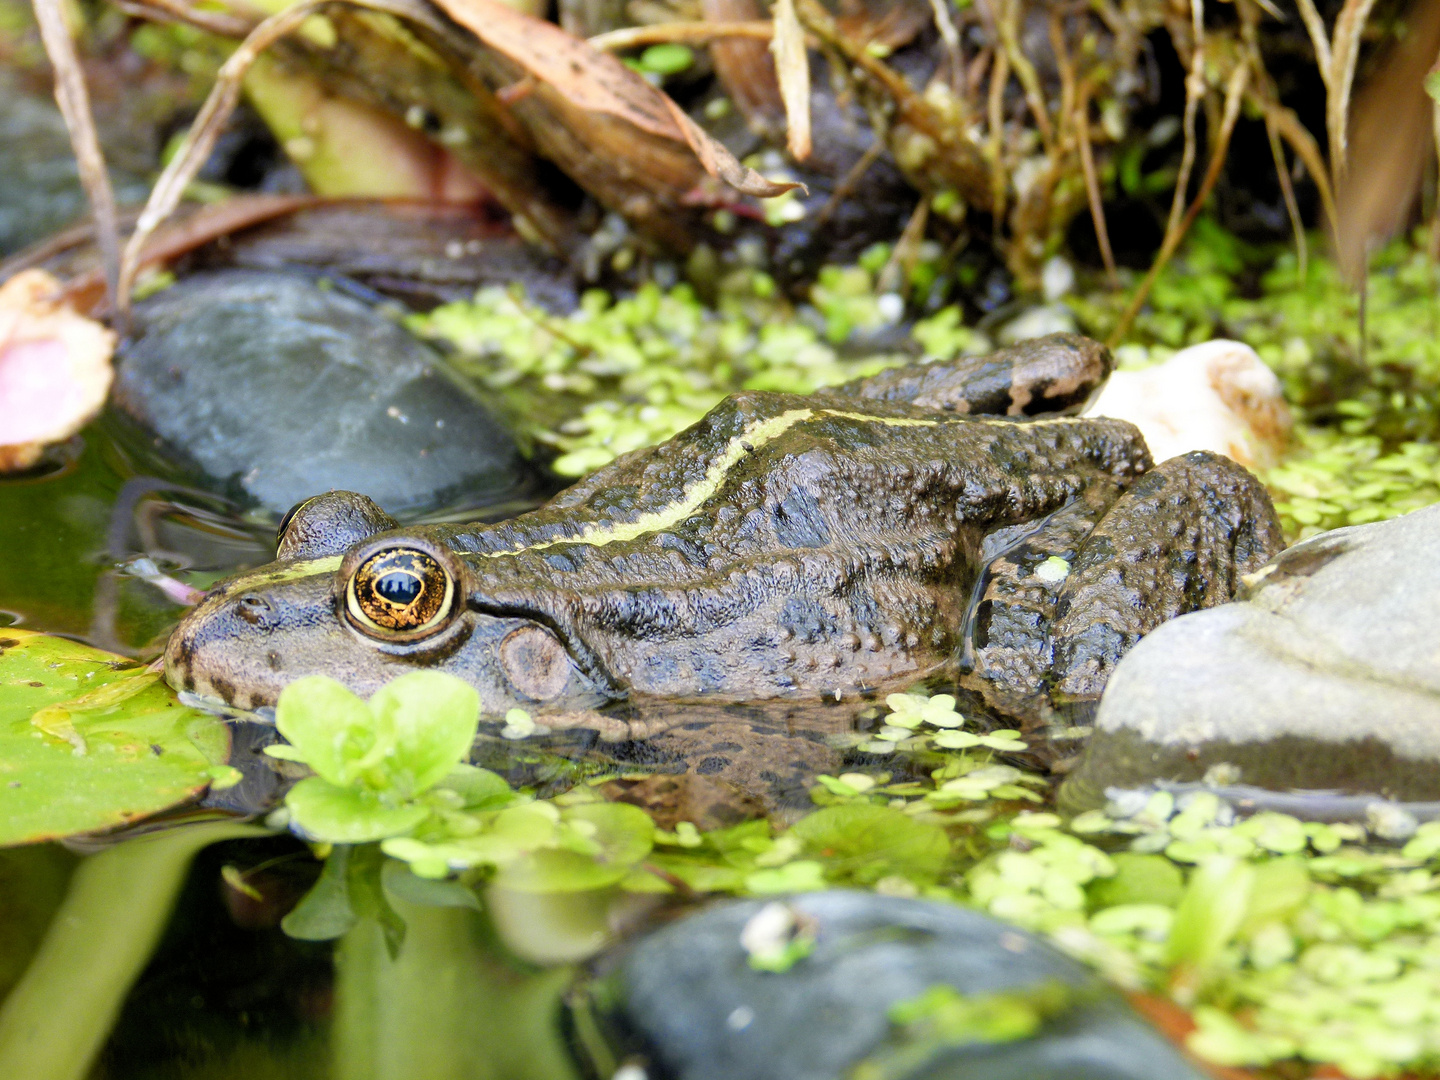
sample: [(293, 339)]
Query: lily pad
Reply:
[(90, 740)]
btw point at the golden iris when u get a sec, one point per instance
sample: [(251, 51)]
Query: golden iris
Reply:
[(399, 591)]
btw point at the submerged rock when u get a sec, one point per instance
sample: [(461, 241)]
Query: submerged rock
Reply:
[(690, 1002), (1324, 677), (275, 389)]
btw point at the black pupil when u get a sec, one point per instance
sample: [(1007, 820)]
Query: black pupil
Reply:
[(400, 589)]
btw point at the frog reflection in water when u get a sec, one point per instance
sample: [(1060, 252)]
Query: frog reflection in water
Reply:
[(936, 520)]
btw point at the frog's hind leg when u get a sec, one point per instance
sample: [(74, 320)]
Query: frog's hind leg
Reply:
[(1046, 376), (1006, 651), (1179, 540)]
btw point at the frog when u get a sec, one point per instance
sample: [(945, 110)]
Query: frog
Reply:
[(954, 521)]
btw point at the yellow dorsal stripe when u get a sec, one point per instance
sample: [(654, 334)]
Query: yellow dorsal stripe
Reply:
[(749, 440), (753, 437)]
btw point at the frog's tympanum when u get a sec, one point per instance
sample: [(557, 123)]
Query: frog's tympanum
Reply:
[(936, 520)]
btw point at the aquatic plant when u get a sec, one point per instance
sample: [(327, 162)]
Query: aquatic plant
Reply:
[(1287, 939)]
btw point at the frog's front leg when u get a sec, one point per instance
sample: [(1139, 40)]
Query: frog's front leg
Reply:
[(1177, 541), (1052, 375), (1006, 653)]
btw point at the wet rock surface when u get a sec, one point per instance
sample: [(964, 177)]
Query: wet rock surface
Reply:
[(272, 389), (695, 1008), (1323, 677)]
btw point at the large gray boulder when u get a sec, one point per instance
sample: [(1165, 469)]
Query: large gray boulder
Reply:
[(272, 389), (1323, 677), (691, 1005)]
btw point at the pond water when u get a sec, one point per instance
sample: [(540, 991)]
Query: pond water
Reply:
[(86, 537)]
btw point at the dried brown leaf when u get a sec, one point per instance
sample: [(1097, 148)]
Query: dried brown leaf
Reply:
[(598, 82)]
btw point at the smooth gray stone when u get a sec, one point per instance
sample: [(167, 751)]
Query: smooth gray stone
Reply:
[(689, 997), (1324, 676), (277, 389)]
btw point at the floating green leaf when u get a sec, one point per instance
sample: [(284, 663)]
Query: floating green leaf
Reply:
[(863, 843), (90, 740)]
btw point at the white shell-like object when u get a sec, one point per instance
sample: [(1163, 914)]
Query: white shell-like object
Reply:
[(1216, 396)]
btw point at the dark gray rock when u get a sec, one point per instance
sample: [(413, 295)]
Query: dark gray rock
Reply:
[(276, 389), (40, 190), (1323, 677), (695, 1010)]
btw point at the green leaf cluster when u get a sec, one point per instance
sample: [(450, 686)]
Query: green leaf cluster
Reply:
[(375, 760)]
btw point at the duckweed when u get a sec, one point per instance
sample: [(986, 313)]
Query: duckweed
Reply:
[(1289, 940), (616, 375)]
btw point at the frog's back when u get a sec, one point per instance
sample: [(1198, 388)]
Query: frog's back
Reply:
[(788, 543)]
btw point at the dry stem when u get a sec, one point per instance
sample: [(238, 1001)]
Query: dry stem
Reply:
[(690, 33), (1234, 97), (74, 102)]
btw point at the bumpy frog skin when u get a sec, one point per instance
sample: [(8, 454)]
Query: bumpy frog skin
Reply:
[(942, 518)]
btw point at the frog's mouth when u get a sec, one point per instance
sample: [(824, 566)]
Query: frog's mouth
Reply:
[(264, 714)]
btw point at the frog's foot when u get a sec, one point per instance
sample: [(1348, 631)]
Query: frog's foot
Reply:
[(609, 728), (1054, 613), (1006, 652)]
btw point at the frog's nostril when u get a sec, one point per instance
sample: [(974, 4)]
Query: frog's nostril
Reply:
[(252, 608)]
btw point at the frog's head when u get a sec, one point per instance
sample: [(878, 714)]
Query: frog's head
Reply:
[(352, 596)]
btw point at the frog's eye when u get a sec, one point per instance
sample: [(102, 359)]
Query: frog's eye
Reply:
[(288, 518), (399, 592)]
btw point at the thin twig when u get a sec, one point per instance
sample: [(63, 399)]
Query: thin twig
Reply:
[(1292, 208), (1075, 112), (999, 76), (1306, 149), (949, 36), (1092, 191), (894, 276), (1234, 97), (693, 33), (1194, 90), (850, 179), (74, 102), (221, 23), (1319, 39), (1007, 23)]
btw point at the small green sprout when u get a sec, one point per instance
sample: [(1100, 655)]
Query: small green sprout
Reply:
[(666, 59), (375, 759)]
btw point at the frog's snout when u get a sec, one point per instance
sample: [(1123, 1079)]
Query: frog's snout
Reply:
[(205, 654)]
